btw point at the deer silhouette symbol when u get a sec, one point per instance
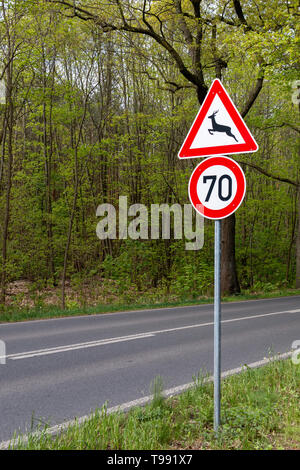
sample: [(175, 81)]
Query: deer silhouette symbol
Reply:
[(219, 127)]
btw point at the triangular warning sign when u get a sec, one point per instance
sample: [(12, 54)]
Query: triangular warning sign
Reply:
[(218, 128)]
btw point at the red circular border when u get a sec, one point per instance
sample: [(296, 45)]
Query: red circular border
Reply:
[(240, 193)]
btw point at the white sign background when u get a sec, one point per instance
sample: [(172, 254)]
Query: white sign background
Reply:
[(215, 203)]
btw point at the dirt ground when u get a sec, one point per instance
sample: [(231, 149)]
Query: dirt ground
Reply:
[(90, 292)]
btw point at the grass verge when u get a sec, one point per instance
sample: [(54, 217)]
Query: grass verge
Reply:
[(13, 314), (260, 410)]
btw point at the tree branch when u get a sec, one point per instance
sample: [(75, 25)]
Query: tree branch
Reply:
[(77, 10), (281, 125), (239, 12), (106, 26), (268, 174), (254, 94), (182, 23)]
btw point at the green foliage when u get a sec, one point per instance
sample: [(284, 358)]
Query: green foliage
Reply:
[(98, 115), (193, 279)]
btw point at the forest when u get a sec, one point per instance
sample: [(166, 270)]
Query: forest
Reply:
[(96, 98)]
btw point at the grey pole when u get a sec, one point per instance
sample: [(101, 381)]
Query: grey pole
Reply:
[(217, 326)]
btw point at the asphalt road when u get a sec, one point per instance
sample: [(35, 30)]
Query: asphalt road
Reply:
[(62, 368)]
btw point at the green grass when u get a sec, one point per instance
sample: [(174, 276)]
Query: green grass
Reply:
[(260, 410), (13, 314)]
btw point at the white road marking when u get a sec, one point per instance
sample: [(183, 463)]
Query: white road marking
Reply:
[(90, 344), (224, 321), (72, 347), (54, 430)]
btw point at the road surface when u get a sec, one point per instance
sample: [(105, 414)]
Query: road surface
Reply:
[(62, 368)]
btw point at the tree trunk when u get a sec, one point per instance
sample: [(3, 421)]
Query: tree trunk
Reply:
[(229, 279), (72, 216), (298, 245), (8, 184), (48, 170)]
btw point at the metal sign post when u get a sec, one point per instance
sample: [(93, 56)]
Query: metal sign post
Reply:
[(217, 327)]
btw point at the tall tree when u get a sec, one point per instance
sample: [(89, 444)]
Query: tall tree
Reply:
[(11, 46)]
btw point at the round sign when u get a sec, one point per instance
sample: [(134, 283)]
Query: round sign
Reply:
[(217, 187)]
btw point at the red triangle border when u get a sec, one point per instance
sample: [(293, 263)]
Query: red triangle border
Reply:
[(247, 147)]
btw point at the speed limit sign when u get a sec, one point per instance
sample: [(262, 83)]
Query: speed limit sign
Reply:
[(217, 187)]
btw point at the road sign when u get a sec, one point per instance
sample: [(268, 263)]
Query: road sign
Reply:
[(217, 187), (218, 128)]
